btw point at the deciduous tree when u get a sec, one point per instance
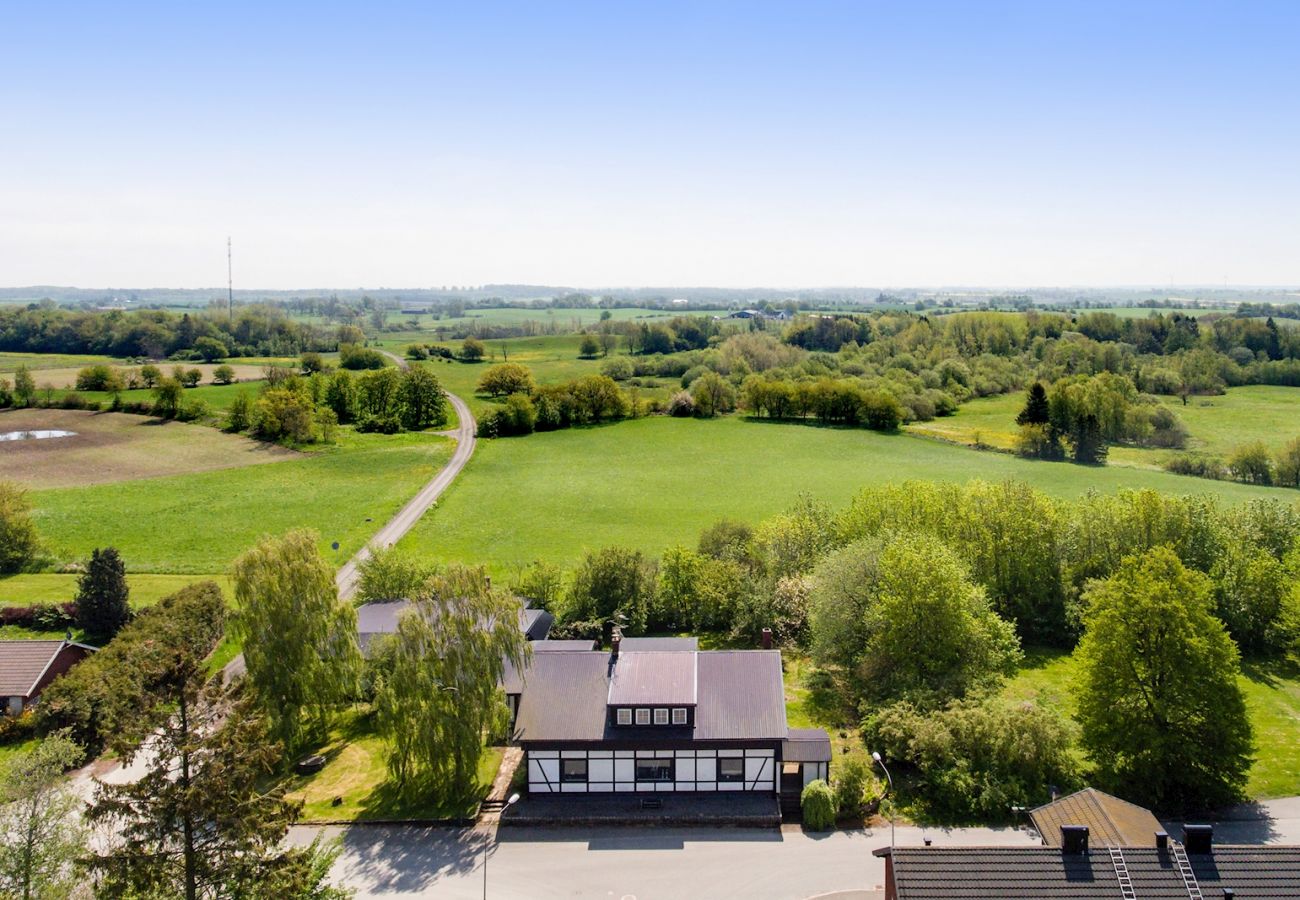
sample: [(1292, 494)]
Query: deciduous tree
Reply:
[(41, 833), (299, 638), (19, 542), (1162, 714)]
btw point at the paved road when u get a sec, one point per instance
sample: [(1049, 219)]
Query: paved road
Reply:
[(627, 863)]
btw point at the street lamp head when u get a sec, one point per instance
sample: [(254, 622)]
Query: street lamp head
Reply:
[(875, 754), (514, 798)]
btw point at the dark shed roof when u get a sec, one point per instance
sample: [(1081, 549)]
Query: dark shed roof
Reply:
[(22, 663), (381, 618), (1045, 873), (550, 646), (653, 677), (565, 697), (1111, 822), (807, 745), (535, 623)]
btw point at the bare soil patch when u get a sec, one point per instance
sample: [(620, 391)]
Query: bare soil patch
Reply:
[(66, 377), (111, 447)]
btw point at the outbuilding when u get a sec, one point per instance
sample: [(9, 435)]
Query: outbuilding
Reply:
[(28, 667)]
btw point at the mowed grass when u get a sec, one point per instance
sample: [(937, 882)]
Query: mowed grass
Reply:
[(112, 447), (1272, 693), (654, 482), (199, 523), (146, 590), (356, 773), (218, 397), (1217, 424)]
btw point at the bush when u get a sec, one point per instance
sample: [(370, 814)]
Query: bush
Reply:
[(417, 352), (504, 379), (19, 542), (472, 349), (851, 779), (818, 804), (223, 374), (1197, 465), (353, 357), (682, 405), (518, 416), (99, 378), (382, 424), (40, 616), (1252, 464), (618, 368)]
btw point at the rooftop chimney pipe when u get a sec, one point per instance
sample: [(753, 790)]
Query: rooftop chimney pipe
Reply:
[(767, 639), (615, 638), (1228, 893), (1198, 838), (1162, 840), (1074, 839)]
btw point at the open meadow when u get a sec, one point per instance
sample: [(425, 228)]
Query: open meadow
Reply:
[(107, 447), (651, 483), (199, 522), (1216, 424)]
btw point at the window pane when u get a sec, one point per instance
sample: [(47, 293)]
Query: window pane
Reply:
[(625, 717), (643, 717), (731, 768), (679, 717), (573, 770), (661, 717), (654, 770)]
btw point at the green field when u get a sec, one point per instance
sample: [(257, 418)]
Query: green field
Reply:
[(200, 522), (1216, 424), (9, 362), (654, 482), (1143, 312), (146, 590), (1272, 697), (217, 396)]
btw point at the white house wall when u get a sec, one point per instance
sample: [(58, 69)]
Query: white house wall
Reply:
[(614, 771)]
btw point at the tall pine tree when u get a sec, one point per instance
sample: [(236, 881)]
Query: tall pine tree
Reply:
[(102, 607), (1036, 411)]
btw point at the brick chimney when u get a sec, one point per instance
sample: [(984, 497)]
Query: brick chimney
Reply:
[(766, 639), (615, 639)]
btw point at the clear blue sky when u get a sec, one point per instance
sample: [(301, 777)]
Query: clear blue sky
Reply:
[(605, 144)]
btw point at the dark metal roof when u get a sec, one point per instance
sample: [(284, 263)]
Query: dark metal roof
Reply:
[(564, 697), (550, 646), (381, 618), (535, 623), (806, 745), (1111, 822), (653, 677), (1045, 873), (642, 644), (22, 663)]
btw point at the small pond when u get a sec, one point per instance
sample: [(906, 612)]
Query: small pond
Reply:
[(35, 435)]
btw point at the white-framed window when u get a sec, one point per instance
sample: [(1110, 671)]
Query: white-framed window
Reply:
[(654, 770), (624, 716), (661, 717), (572, 770), (643, 717), (679, 715), (731, 768)]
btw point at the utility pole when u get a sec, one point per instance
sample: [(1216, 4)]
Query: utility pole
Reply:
[(230, 284)]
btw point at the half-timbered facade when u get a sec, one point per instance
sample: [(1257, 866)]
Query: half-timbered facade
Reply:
[(667, 718)]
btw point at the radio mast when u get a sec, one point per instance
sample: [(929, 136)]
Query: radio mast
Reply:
[(230, 284)]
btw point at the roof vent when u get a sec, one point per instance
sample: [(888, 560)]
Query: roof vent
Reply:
[(1198, 838), (1162, 840), (1229, 893), (1074, 839)]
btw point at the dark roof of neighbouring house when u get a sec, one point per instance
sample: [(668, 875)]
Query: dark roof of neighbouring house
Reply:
[(1111, 822), (1046, 873), (24, 663), (550, 646), (641, 644), (806, 745), (381, 618), (565, 697)]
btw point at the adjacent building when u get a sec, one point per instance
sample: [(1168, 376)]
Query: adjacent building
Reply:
[(659, 715), (374, 619), (1111, 822), (27, 668)]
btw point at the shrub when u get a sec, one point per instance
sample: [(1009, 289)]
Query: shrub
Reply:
[(19, 543), (506, 378), (1197, 465), (851, 779), (353, 357), (99, 378), (472, 349), (15, 729), (518, 416), (311, 362), (818, 804), (682, 405), (417, 352), (618, 368), (40, 616), (589, 348), (240, 414), (223, 374), (189, 377), (1252, 464), (193, 410), (381, 424)]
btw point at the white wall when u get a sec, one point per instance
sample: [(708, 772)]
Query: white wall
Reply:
[(611, 771)]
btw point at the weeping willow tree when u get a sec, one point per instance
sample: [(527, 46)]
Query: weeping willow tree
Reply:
[(438, 682)]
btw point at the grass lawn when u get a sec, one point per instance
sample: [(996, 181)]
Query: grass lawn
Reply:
[(217, 396), (654, 482), (200, 522), (1217, 425), (114, 447), (1272, 696), (357, 773), (146, 590)]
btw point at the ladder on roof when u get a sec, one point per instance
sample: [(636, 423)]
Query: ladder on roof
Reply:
[(1185, 869), (1121, 873)]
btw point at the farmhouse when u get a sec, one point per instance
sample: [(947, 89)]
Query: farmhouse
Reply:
[(1163, 868), (27, 667), (381, 618), (659, 715)]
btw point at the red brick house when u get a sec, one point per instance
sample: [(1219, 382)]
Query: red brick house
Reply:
[(26, 667)]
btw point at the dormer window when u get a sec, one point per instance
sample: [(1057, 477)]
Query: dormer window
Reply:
[(679, 716), (643, 717), (624, 716), (661, 717)]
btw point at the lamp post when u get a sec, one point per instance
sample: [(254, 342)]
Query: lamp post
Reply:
[(880, 762), (487, 839)]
